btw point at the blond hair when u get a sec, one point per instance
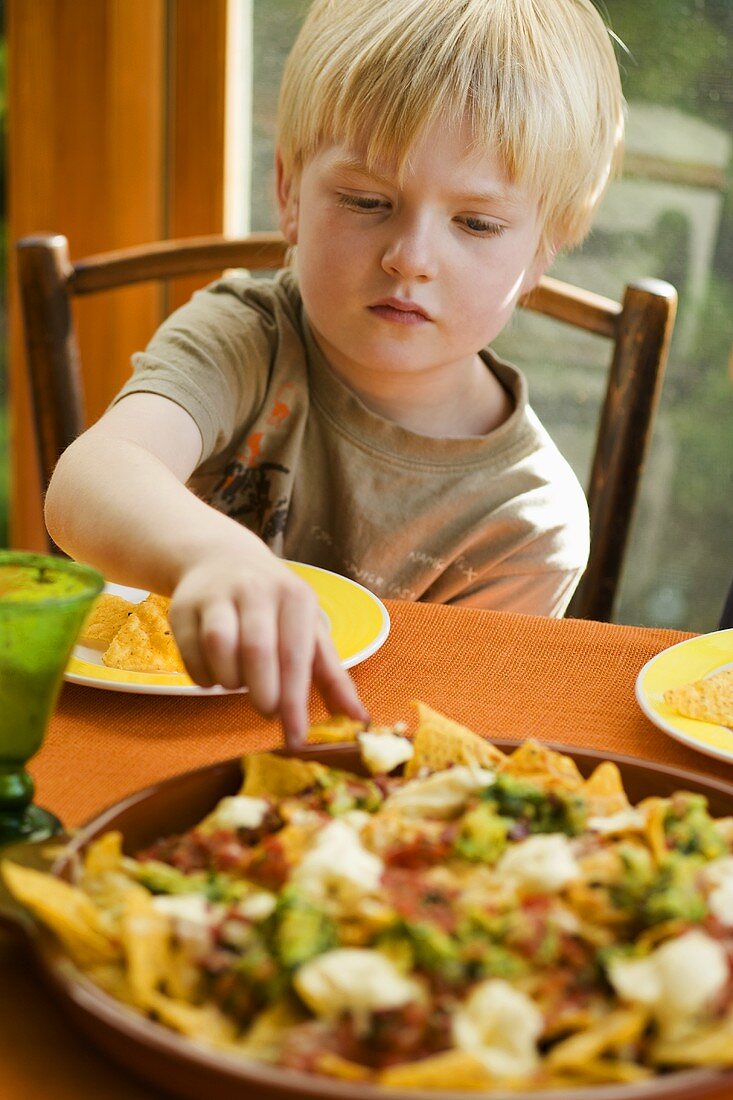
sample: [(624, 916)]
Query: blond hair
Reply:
[(536, 80)]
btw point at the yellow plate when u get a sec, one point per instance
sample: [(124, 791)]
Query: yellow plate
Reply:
[(693, 659), (358, 622)]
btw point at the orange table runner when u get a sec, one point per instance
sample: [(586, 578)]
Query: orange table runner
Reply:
[(506, 676)]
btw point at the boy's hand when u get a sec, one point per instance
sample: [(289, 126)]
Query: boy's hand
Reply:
[(258, 625)]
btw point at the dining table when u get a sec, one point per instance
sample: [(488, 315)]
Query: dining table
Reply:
[(506, 676)]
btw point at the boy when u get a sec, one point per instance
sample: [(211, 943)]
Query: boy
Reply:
[(432, 156)]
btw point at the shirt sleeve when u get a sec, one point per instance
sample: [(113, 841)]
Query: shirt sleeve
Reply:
[(540, 593), (212, 357)]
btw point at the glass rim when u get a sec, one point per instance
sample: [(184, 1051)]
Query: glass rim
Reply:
[(34, 560)]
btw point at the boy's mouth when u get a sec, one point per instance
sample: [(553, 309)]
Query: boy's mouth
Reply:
[(400, 311)]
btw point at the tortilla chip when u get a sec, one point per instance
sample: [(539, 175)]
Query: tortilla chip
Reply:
[(337, 728), (333, 1065), (453, 1069), (108, 614), (204, 1023), (619, 1027), (277, 776), (145, 642), (112, 978), (145, 934), (184, 980), (656, 812), (603, 790), (65, 909), (440, 742), (710, 1045), (266, 1036), (606, 1071), (110, 891), (103, 854), (710, 700), (544, 767), (154, 600)]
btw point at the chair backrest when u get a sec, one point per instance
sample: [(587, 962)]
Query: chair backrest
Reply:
[(638, 328)]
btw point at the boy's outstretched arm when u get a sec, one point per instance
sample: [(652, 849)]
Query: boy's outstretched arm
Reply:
[(118, 501)]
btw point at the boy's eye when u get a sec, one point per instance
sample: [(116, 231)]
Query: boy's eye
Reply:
[(361, 202), (483, 226)]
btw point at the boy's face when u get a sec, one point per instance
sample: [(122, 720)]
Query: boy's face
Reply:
[(411, 275)]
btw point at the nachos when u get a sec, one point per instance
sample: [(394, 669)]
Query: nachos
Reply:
[(452, 917)]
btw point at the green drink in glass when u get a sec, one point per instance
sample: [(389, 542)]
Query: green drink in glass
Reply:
[(43, 603)]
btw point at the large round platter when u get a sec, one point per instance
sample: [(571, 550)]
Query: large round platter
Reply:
[(183, 1068)]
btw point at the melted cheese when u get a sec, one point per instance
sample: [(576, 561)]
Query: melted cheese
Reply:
[(382, 752), (193, 918), (238, 812), (187, 908), (338, 865), (623, 821), (677, 980), (257, 906), (353, 979), (545, 863), (442, 794), (500, 1026)]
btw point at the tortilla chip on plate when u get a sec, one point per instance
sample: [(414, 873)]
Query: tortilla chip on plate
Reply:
[(440, 742), (710, 700), (145, 642), (108, 614)]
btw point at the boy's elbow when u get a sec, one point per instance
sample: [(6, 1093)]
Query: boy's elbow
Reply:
[(59, 501), (53, 510)]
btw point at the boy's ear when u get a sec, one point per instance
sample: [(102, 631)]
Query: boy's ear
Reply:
[(287, 201)]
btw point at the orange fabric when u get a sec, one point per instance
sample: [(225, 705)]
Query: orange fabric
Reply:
[(509, 676)]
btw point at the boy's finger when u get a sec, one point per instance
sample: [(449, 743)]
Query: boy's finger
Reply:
[(297, 642), (185, 624), (334, 683), (219, 633), (258, 655)]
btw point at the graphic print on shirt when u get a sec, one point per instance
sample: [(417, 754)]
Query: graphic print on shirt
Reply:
[(251, 487)]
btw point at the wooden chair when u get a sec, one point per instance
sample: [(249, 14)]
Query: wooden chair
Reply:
[(638, 328), (726, 615)]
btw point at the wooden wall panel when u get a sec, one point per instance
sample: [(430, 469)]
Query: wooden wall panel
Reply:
[(197, 127), (86, 101), (116, 124)]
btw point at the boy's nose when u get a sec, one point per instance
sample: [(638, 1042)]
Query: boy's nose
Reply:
[(410, 252)]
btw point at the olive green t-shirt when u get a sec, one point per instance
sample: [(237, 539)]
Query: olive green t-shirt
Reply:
[(496, 521)]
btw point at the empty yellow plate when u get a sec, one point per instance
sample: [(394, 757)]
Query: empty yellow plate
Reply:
[(358, 621), (693, 659)]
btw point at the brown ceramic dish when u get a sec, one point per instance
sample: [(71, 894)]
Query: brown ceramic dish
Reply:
[(185, 1069)]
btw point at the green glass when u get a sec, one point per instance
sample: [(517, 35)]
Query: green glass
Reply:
[(43, 603)]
